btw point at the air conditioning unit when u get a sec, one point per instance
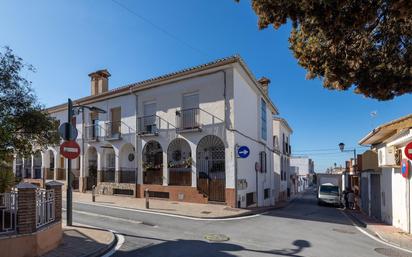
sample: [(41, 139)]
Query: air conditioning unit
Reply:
[(387, 156)]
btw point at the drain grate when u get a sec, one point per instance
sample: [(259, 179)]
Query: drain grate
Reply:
[(344, 231), (216, 237), (391, 252)]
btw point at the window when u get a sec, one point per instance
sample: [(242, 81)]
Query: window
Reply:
[(263, 122), (262, 156), (266, 193), (275, 143)]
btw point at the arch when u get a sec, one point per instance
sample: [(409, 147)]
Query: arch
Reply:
[(90, 164), (49, 163), (127, 159), (210, 166), (152, 157), (19, 166), (37, 164), (179, 163), (109, 164)]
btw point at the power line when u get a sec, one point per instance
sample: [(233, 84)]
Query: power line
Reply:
[(329, 149), (171, 35)]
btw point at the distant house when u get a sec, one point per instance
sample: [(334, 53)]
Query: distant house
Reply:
[(177, 135), (388, 194), (304, 168)]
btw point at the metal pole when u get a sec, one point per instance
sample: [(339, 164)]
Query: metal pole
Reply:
[(69, 196), (83, 153)]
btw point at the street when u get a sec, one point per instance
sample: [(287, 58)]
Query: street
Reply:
[(301, 229)]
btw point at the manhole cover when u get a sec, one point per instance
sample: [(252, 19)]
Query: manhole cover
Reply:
[(391, 252), (216, 237), (343, 231)]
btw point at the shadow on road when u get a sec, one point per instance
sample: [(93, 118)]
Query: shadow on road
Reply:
[(198, 248)]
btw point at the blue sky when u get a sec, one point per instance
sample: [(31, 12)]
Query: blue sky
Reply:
[(65, 40)]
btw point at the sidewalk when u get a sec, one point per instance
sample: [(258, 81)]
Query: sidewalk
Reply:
[(384, 231), (195, 210), (83, 241)]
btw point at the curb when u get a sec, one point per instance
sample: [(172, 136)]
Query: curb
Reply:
[(105, 249), (357, 220)]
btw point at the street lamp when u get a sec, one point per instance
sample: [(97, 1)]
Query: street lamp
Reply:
[(70, 111)]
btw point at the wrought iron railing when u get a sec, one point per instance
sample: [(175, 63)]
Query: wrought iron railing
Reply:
[(45, 207), (108, 175), (127, 175), (92, 132), (50, 173), (153, 176), (113, 130), (148, 125), (188, 119), (8, 212)]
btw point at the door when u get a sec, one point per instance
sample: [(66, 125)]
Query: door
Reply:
[(190, 111), (149, 120), (365, 194), (376, 196)]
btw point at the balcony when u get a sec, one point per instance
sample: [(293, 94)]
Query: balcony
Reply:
[(92, 133), (148, 125), (113, 130), (188, 120)]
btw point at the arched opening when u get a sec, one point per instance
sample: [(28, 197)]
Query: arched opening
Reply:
[(52, 164), (37, 163), (179, 163), (127, 172), (109, 160), (27, 166), (91, 164), (210, 166), (153, 163)]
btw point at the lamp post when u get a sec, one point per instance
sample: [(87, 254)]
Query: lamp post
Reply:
[(342, 149), (71, 110)]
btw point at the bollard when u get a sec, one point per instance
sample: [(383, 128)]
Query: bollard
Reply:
[(147, 197), (93, 193)]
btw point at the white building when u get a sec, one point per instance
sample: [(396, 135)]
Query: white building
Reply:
[(176, 135), (285, 180), (389, 187), (304, 168)]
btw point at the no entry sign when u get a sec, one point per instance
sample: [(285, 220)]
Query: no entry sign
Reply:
[(408, 151), (70, 149), (405, 168)]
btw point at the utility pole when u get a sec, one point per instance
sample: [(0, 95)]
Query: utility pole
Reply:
[(69, 196)]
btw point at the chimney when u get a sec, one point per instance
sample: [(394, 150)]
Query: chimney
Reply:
[(99, 81), (264, 83)]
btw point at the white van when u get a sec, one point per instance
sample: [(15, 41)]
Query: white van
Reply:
[(329, 193)]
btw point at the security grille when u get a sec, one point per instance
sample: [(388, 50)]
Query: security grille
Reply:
[(45, 211)]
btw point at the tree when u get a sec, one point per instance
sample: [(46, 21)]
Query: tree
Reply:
[(365, 44), (24, 124)]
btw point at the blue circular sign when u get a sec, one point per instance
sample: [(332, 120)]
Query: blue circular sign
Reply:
[(243, 151), (405, 168)]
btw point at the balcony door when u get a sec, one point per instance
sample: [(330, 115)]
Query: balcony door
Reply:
[(190, 111), (149, 119)]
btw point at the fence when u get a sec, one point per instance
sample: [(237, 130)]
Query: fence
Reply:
[(45, 207), (8, 212)]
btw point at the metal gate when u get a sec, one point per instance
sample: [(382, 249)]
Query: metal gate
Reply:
[(365, 194), (210, 165), (376, 196)]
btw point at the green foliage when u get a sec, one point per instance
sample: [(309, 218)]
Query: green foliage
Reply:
[(23, 121), (7, 179), (367, 43)]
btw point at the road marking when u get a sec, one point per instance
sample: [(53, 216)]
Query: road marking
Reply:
[(169, 214), (373, 237), (106, 216)]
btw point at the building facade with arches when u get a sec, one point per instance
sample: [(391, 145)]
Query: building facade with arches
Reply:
[(175, 135)]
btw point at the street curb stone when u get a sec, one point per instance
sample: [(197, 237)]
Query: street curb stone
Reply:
[(106, 249)]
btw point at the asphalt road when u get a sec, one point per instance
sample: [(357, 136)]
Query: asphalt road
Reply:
[(301, 229)]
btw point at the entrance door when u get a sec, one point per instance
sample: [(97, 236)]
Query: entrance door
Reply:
[(210, 165), (376, 196)]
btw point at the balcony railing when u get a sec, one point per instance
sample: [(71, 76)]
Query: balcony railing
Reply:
[(148, 125), (108, 175), (127, 175), (92, 132), (188, 119), (113, 130)]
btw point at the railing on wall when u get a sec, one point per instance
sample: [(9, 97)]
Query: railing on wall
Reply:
[(148, 125), (188, 119), (92, 132), (127, 175), (113, 130), (45, 207), (8, 212)]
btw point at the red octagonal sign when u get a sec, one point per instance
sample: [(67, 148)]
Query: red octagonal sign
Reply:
[(70, 149), (408, 150)]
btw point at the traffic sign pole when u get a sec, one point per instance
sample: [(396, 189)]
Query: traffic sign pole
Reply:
[(69, 197)]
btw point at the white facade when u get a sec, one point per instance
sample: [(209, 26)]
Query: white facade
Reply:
[(150, 125), (303, 166), (285, 178)]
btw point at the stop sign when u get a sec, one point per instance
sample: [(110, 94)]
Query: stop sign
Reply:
[(70, 149), (408, 151)]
